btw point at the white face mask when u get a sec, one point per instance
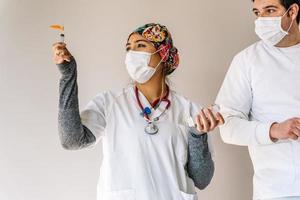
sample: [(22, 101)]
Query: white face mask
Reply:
[(137, 65), (269, 29)]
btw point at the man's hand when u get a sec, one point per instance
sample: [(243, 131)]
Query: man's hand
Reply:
[(289, 129)]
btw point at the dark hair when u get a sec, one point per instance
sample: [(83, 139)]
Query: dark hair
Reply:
[(287, 4)]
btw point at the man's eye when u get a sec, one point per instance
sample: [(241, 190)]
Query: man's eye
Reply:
[(271, 11), (127, 48), (256, 14)]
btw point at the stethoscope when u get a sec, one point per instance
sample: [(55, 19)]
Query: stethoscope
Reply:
[(151, 128)]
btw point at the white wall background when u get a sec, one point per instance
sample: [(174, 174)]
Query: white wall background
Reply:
[(33, 165)]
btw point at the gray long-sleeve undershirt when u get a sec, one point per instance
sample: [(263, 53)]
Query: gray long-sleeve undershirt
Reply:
[(74, 135)]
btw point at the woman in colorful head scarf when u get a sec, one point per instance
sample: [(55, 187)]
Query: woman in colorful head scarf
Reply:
[(160, 37), (152, 148)]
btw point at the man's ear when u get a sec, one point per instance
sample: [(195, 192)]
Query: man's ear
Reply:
[(293, 12)]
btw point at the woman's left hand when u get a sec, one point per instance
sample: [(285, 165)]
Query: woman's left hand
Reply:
[(207, 121)]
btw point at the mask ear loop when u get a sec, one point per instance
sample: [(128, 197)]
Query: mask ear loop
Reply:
[(288, 30), (286, 12), (159, 50), (161, 95), (162, 57)]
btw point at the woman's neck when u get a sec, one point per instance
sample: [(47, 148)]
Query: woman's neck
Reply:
[(154, 89)]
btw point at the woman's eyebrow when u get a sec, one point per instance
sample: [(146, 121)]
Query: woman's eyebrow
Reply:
[(141, 40)]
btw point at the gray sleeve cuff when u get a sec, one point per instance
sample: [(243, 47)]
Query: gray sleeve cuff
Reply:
[(195, 133), (200, 166), (66, 67)]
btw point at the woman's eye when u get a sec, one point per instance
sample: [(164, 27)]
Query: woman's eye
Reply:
[(127, 48), (141, 46)]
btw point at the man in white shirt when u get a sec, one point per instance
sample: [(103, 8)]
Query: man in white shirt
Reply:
[(260, 100)]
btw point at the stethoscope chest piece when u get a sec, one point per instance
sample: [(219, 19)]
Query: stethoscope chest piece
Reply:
[(151, 129)]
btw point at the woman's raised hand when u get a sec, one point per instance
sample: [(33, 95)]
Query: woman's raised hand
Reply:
[(61, 53)]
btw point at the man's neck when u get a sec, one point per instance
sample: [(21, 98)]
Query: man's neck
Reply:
[(292, 39)]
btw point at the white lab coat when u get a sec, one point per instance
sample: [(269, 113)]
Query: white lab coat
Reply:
[(138, 166), (260, 88)]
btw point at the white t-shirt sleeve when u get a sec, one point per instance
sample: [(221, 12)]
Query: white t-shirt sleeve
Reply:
[(235, 101)]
